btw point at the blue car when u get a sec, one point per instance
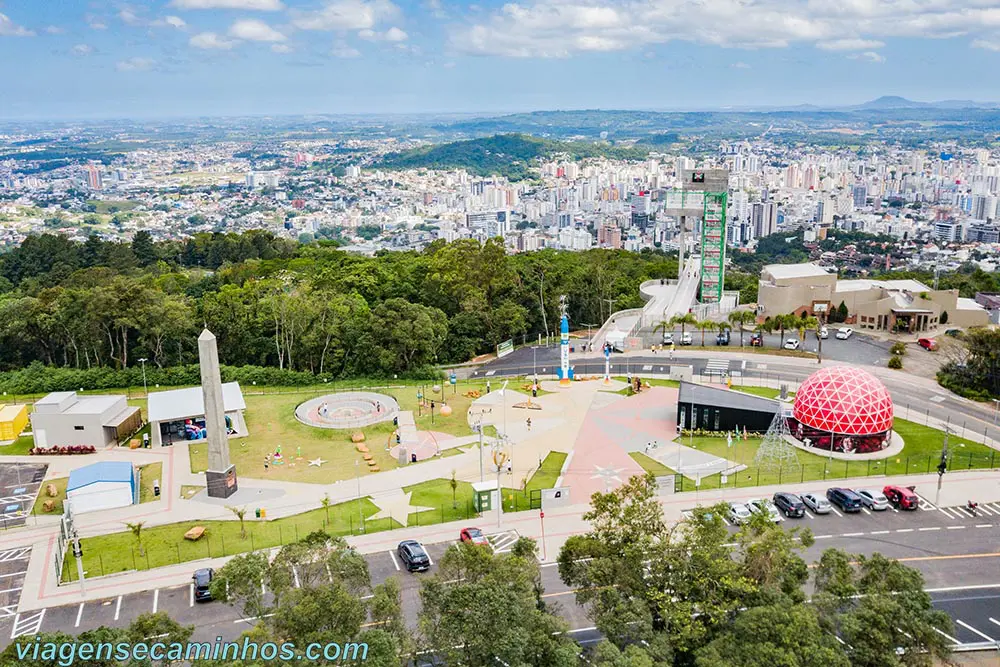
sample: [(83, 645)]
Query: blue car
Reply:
[(845, 499)]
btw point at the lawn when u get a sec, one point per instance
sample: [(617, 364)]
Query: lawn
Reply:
[(60, 497), (271, 421), (105, 207), (652, 382), (650, 464), (165, 545), (149, 473), (20, 447), (544, 477), (766, 392), (920, 454)]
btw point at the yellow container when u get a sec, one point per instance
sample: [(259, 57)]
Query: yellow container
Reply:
[(13, 419)]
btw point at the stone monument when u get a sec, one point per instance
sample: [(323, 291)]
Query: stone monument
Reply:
[(220, 478)]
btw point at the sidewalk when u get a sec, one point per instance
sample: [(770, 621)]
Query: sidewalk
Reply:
[(560, 524)]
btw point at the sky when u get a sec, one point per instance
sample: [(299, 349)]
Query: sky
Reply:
[(70, 59)]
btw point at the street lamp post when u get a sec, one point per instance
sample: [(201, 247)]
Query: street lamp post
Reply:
[(357, 474), (143, 362), (996, 405)]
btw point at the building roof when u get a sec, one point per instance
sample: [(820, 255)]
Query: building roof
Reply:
[(10, 412), (964, 303), (805, 270), (165, 406), (700, 394), (92, 405), (105, 471), (54, 398), (914, 286)]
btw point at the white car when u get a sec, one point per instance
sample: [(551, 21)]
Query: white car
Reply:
[(738, 513), (824, 333), (873, 500), (668, 337), (792, 344), (766, 507), (844, 333), (687, 339), (816, 502)]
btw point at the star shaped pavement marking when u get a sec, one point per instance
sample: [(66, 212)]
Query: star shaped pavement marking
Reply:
[(316, 462), (396, 507), (607, 474)]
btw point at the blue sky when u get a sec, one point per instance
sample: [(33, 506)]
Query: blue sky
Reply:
[(163, 58)]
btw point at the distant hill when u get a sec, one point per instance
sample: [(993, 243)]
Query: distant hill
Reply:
[(508, 155), (896, 102)]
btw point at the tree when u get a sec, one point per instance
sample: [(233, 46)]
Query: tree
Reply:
[(842, 313), (143, 248), (741, 318), (703, 326), (325, 504), (944, 317), (453, 483), (136, 529), (684, 320), (239, 583), (240, 513), (895, 362)]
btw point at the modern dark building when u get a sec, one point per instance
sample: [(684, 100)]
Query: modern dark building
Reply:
[(721, 409)]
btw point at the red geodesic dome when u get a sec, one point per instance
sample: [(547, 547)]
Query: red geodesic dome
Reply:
[(844, 400)]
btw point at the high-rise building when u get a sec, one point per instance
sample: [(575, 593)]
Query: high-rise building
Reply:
[(95, 181), (609, 236), (949, 231), (860, 193), (764, 219), (982, 233)]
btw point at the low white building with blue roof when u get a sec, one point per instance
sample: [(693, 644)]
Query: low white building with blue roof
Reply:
[(101, 486)]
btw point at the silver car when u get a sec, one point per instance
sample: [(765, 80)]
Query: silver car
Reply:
[(738, 513), (766, 507), (816, 502), (873, 499)]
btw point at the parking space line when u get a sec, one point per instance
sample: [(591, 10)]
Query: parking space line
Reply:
[(394, 561), (429, 559), (13, 574), (118, 607), (983, 510), (956, 527), (834, 510), (947, 636), (994, 621), (79, 615), (822, 537), (27, 626), (156, 599), (12, 590), (725, 521), (866, 511), (994, 506), (926, 504), (984, 525), (946, 513), (851, 534), (191, 594), (969, 627)]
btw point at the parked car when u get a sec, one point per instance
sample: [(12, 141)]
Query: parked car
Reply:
[(473, 535), (928, 344), (844, 333), (413, 555), (687, 339), (901, 497), (722, 338), (764, 506), (817, 503), (824, 333), (789, 504), (202, 582), (954, 333), (738, 513), (873, 499), (845, 499), (668, 337), (756, 340), (792, 344)]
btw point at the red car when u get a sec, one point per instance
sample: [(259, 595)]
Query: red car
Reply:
[(473, 535), (901, 497), (928, 344)]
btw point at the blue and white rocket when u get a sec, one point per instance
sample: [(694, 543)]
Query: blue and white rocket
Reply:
[(565, 372)]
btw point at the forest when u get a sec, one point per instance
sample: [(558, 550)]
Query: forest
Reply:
[(298, 308)]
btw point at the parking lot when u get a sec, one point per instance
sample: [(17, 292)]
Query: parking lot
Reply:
[(19, 485)]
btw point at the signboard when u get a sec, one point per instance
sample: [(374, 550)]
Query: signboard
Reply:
[(556, 497), (505, 348)]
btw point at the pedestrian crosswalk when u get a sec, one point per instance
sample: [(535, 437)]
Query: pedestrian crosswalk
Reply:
[(15, 554), (717, 367), (503, 542)]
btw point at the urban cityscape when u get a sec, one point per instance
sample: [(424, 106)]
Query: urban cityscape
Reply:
[(548, 334)]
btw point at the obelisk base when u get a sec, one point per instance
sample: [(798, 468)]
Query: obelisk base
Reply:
[(221, 484)]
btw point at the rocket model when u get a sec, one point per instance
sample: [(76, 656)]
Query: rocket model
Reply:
[(565, 372)]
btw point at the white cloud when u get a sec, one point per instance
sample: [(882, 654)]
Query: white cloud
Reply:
[(870, 56), (346, 15), (989, 45), (129, 17), (255, 31), (740, 65), (82, 50), (342, 49), (135, 64), (393, 34), (96, 23), (436, 8), (849, 44), (54, 30), (250, 5), (10, 29), (174, 21), (211, 40), (561, 28), (281, 48)]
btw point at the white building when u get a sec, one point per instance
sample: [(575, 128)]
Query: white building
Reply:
[(102, 486)]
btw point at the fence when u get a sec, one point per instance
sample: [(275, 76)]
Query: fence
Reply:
[(839, 469)]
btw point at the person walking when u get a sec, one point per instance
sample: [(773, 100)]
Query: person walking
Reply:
[(528, 422)]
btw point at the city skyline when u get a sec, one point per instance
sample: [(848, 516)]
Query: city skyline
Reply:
[(183, 58)]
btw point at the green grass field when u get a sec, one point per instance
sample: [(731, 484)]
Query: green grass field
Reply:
[(650, 464), (920, 454), (19, 447), (149, 473), (60, 497), (766, 392)]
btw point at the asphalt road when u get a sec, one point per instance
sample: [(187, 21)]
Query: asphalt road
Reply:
[(956, 552)]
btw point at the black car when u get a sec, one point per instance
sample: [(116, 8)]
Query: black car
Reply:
[(845, 499), (413, 556), (722, 338), (202, 581), (789, 504)]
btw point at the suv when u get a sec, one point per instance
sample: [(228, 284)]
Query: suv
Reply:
[(789, 504), (845, 499), (413, 556), (792, 344), (202, 582), (928, 344), (844, 333), (901, 497), (756, 340), (722, 338)]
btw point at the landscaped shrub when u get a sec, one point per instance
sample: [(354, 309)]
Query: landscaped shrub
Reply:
[(898, 349), (895, 362), (62, 449)]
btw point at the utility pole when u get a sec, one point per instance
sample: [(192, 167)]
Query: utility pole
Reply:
[(357, 474), (943, 464), (479, 429), (144, 389)]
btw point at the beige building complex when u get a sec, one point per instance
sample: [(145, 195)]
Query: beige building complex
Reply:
[(884, 305)]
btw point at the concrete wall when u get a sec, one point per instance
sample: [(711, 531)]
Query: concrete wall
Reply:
[(59, 429), (100, 496)]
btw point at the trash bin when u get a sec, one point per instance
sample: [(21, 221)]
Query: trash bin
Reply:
[(413, 458), (257, 512), (156, 487), (263, 513)]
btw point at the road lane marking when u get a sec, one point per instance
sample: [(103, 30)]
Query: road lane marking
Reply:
[(156, 599), (947, 636), (12, 590), (984, 525), (822, 537), (118, 607), (394, 561), (956, 527), (994, 621), (926, 528), (969, 627), (191, 603), (981, 509), (880, 532), (429, 558), (852, 534), (904, 530), (79, 615)]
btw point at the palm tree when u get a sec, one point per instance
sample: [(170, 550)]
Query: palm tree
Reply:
[(816, 324), (684, 320), (781, 322), (136, 529), (741, 317), (766, 327), (665, 325), (704, 325), (240, 513), (325, 504)]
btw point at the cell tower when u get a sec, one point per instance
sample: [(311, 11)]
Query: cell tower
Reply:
[(776, 452)]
